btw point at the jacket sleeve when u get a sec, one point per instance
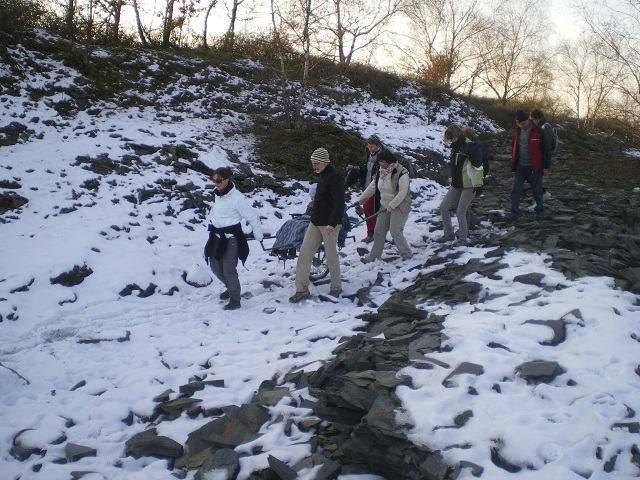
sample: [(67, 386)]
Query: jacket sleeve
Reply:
[(369, 191), (251, 216), (336, 189)]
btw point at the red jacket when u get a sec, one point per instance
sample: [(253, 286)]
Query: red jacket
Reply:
[(539, 150)]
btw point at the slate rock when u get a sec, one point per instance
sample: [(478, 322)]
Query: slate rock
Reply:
[(434, 467), (539, 371), (149, 444), (74, 452), (557, 326), (281, 469), (529, 278), (463, 368), (224, 463), (228, 431)]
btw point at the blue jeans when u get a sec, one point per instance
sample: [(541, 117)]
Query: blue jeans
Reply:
[(523, 174)]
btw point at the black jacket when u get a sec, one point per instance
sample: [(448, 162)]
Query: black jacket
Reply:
[(328, 204), (462, 149)]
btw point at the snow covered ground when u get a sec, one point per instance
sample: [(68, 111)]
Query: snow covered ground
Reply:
[(56, 387)]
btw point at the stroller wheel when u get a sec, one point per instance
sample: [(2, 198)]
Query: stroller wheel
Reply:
[(319, 268)]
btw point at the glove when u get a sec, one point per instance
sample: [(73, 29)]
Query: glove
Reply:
[(477, 191), (359, 210)]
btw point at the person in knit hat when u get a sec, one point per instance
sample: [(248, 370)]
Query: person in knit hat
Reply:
[(324, 227)]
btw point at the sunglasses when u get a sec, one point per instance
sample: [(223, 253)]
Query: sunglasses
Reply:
[(218, 181)]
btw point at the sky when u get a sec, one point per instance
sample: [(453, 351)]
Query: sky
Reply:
[(56, 382)]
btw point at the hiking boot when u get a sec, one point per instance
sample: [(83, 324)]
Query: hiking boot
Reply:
[(232, 305), (407, 257), (335, 292), (446, 238), (367, 239), (299, 296), (224, 295)]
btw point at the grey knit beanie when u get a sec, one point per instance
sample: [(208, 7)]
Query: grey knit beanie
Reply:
[(320, 156)]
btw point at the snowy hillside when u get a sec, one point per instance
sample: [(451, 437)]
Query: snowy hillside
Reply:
[(102, 233)]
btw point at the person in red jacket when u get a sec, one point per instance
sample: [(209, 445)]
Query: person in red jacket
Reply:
[(530, 161)]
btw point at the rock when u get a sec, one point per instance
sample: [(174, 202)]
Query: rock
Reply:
[(74, 452), (149, 444), (463, 368), (223, 464), (557, 326), (282, 470), (73, 277), (11, 201), (539, 371)]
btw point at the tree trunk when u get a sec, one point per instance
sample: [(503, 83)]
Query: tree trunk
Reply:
[(167, 26), (229, 38), (307, 61), (141, 34), (69, 18), (206, 22)]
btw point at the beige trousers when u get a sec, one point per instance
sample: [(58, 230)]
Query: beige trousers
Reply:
[(313, 237)]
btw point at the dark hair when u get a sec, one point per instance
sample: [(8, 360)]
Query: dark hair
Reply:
[(452, 131), (224, 172), (387, 156), (537, 113)]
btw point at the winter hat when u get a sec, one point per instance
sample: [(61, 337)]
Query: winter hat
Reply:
[(320, 156), (374, 140), (521, 115)]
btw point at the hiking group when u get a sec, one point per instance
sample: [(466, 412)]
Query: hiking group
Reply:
[(385, 202)]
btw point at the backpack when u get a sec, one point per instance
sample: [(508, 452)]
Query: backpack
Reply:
[(553, 136), (483, 155)]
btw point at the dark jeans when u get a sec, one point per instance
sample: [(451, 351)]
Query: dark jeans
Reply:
[(523, 174)]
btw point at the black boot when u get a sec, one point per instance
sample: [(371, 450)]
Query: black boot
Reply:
[(232, 305)]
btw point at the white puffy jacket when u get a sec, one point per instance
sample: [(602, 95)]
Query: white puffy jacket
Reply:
[(232, 208)]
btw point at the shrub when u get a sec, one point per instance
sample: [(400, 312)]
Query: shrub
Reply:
[(20, 15)]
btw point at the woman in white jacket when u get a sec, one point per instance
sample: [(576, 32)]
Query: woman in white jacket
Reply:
[(392, 181), (227, 242)]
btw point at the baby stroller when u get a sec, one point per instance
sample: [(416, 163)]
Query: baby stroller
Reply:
[(290, 235)]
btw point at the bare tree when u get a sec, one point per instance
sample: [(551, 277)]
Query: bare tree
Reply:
[(279, 42), (348, 26), (295, 27), (513, 49), (441, 40), (168, 24), (70, 17), (112, 10), (617, 24), (207, 12), (141, 32), (230, 36), (588, 78)]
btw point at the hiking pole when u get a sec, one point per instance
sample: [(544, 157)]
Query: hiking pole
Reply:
[(365, 219)]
